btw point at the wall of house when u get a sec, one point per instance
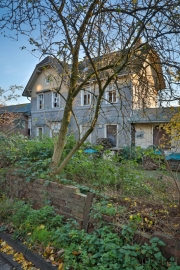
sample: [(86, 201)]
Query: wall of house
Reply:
[(143, 135), (41, 83), (145, 87), (114, 114)]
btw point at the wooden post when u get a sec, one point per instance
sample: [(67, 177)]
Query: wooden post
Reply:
[(87, 208)]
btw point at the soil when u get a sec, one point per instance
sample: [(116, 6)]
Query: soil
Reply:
[(154, 213), (151, 217)]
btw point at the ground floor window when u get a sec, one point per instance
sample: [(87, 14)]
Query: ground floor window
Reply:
[(111, 134), (54, 128), (40, 132)]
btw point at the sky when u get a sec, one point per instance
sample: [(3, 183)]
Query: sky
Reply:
[(16, 65)]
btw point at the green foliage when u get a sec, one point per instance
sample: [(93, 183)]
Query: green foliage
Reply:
[(9, 207), (114, 175), (30, 157), (106, 174), (132, 153), (70, 143), (102, 249), (42, 235), (106, 208)]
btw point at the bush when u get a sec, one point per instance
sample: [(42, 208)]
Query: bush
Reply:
[(132, 153)]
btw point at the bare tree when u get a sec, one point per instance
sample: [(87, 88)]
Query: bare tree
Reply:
[(98, 41), (7, 119)]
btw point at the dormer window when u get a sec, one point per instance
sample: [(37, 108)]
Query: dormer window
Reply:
[(85, 97), (111, 95), (55, 100), (40, 102)]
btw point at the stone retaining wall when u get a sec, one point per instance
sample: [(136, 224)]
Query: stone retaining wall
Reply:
[(68, 201)]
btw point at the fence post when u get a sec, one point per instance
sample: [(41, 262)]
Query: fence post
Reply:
[(86, 212)]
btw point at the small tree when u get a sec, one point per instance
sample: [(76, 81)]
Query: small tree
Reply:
[(103, 37), (7, 119)]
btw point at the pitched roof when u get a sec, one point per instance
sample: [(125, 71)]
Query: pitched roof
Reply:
[(153, 115), (135, 65), (19, 108), (48, 61)]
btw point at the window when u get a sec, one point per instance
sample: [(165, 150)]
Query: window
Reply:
[(40, 102), (111, 95), (29, 126), (111, 133), (55, 100), (48, 79), (19, 123), (40, 132), (83, 129), (85, 97), (54, 128)]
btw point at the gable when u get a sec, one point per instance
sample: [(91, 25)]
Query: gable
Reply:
[(48, 66), (45, 81)]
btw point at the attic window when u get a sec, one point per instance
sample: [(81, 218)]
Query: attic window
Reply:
[(47, 79)]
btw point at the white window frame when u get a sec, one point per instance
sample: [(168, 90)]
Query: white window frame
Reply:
[(40, 101), (86, 92), (37, 131), (54, 128), (111, 88), (88, 139), (55, 99)]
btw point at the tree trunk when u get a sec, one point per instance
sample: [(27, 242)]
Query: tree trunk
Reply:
[(59, 145)]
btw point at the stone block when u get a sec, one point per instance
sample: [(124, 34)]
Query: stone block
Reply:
[(65, 209)]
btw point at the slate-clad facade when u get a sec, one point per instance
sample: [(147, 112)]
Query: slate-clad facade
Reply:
[(116, 109)]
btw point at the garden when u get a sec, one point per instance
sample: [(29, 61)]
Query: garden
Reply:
[(139, 199)]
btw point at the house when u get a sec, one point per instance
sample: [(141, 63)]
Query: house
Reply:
[(16, 119), (148, 128), (132, 89)]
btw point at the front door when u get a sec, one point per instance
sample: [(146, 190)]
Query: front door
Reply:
[(161, 138)]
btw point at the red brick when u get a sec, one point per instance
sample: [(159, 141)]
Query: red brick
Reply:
[(77, 214), (169, 241), (141, 238), (66, 215), (171, 251)]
